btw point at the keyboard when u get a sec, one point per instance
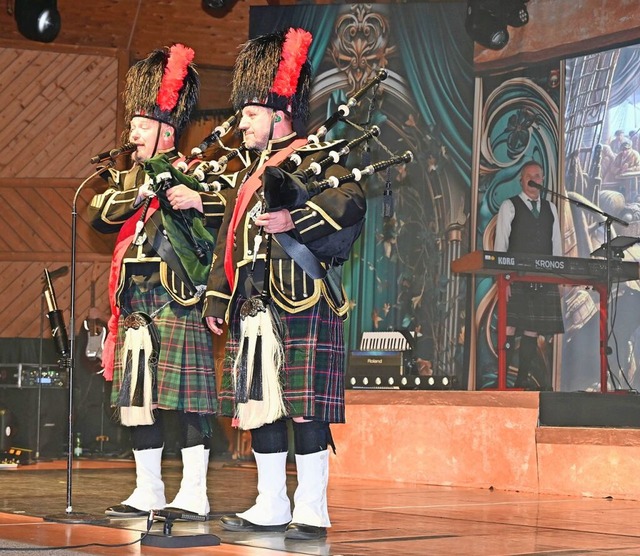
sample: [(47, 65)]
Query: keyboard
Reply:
[(495, 262)]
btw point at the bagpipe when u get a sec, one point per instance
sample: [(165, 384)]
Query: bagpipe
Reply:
[(197, 173), (286, 185)]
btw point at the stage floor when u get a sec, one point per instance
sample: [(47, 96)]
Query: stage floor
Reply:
[(369, 517)]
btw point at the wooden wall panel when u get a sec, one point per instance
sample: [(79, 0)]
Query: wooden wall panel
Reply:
[(57, 108), (21, 287)]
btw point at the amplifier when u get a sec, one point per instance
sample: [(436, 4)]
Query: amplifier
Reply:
[(382, 363), (375, 369), (28, 375)]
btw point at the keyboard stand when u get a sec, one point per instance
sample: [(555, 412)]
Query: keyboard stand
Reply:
[(503, 280)]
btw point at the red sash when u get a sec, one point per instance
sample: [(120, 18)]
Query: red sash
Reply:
[(125, 237), (247, 190)]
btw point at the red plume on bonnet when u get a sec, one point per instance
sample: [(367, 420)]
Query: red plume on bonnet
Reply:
[(163, 86), (274, 70), (294, 55), (180, 57)]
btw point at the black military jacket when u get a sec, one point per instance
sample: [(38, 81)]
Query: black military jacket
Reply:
[(317, 222), (108, 211)]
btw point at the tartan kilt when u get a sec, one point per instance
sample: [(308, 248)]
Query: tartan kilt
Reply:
[(535, 307), (313, 372), (186, 376)]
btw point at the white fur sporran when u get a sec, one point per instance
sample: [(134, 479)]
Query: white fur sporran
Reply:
[(139, 361), (258, 365)]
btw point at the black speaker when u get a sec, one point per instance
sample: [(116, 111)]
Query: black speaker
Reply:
[(6, 429), (23, 406)]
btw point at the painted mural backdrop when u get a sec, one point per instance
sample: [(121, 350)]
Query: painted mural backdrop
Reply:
[(398, 278), (602, 169), (518, 122)]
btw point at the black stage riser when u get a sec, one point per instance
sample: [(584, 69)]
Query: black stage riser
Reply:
[(590, 409)]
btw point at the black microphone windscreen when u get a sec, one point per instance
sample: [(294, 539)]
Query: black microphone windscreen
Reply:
[(59, 332), (59, 272)]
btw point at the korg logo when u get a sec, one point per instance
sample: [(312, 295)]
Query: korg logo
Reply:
[(546, 264), (374, 361), (510, 261)]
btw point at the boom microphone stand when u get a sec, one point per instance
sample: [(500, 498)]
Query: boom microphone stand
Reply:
[(57, 327), (610, 249)]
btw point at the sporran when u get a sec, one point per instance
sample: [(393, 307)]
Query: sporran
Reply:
[(139, 364), (258, 365)]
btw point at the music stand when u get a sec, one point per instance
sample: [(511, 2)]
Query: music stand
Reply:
[(618, 246)]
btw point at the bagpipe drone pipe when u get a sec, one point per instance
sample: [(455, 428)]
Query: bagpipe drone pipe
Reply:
[(207, 171)]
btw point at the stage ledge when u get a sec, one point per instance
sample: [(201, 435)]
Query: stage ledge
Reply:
[(453, 438), (481, 439), (595, 462)]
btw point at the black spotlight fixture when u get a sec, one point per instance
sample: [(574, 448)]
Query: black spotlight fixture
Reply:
[(38, 20), (487, 20), (516, 13), (214, 4)]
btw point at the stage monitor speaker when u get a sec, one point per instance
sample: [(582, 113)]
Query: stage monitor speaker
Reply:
[(22, 403), (7, 430)]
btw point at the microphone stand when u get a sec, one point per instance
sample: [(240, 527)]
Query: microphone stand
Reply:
[(606, 248), (40, 365), (69, 516)]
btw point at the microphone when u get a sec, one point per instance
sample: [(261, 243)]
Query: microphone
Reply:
[(113, 153), (535, 185), (171, 515), (58, 272), (218, 131), (56, 320)]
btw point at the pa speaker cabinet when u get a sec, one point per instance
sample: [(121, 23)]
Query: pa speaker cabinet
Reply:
[(52, 425)]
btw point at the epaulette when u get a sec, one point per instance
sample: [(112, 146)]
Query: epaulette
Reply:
[(111, 173), (222, 181), (321, 146)]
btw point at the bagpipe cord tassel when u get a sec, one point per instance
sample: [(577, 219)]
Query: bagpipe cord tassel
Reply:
[(135, 399), (240, 371), (255, 388), (262, 347)]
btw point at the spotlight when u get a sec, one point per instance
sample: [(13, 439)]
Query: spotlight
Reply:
[(38, 20), (487, 20), (484, 25), (214, 4)]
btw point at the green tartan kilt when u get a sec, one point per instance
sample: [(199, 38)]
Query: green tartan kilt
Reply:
[(186, 378), (314, 366)]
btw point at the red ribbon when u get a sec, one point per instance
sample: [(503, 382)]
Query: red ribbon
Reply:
[(247, 190)]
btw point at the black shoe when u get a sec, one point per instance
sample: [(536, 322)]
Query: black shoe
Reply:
[(235, 523), (304, 532), (123, 510)]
